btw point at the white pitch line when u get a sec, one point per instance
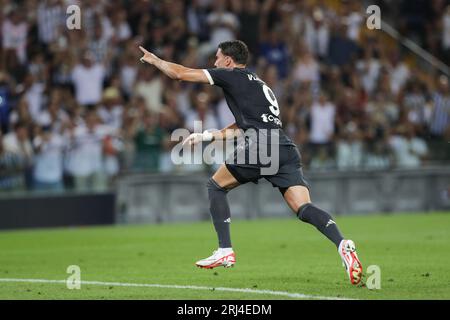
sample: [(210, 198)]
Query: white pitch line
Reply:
[(168, 286)]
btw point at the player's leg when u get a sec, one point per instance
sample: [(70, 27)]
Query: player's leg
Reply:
[(218, 187), (224, 178), (299, 200)]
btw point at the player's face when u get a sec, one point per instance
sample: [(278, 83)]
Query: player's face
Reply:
[(223, 61)]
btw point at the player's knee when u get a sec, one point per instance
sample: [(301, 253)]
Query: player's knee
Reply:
[(302, 211), (311, 214), (212, 186)]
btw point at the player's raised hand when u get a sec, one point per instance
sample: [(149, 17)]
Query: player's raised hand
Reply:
[(148, 56)]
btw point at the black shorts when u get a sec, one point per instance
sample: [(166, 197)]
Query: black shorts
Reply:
[(289, 171)]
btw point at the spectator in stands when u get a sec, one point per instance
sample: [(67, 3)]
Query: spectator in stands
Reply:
[(409, 150), (323, 114), (224, 24), (399, 73), (39, 68), (370, 69), (48, 166), (306, 69), (54, 117), (50, 20), (351, 107), (382, 110), (440, 119), (296, 117), (99, 45), (88, 77), (61, 68), (353, 18), (18, 142), (86, 161), (33, 92), (333, 83), (317, 34), (111, 110), (128, 74), (149, 85), (112, 147), (197, 14), (121, 30), (14, 35), (378, 156), (275, 51), (11, 169), (20, 113), (349, 154), (341, 50), (201, 112), (416, 105), (149, 139)]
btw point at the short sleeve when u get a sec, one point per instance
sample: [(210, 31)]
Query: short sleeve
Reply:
[(220, 77)]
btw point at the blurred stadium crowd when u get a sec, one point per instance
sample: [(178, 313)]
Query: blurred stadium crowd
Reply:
[(77, 108)]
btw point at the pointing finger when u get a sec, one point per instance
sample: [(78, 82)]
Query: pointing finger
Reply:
[(143, 49)]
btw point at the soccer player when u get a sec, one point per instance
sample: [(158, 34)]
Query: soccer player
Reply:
[(255, 109)]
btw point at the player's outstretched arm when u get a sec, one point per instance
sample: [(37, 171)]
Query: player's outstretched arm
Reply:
[(173, 70), (225, 134)]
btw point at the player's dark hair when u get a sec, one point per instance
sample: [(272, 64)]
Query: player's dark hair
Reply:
[(236, 49)]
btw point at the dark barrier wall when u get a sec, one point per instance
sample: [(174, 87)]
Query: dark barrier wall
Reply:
[(41, 211)]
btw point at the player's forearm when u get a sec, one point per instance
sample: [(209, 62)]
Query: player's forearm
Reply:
[(226, 133), (172, 70)]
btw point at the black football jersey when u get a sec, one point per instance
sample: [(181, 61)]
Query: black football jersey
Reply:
[(251, 101)]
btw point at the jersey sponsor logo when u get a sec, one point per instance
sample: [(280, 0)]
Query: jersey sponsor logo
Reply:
[(270, 118)]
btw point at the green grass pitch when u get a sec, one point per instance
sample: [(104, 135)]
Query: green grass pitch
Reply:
[(412, 251)]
